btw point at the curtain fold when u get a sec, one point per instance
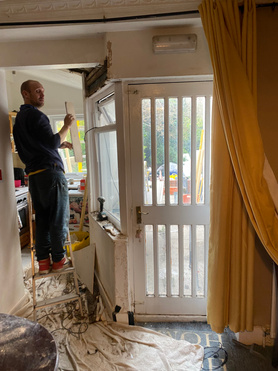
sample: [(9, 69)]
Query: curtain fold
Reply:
[(241, 202)]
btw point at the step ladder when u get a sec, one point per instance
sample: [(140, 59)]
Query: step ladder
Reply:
[(37, 305)]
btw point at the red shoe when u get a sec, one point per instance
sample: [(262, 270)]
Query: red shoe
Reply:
[(61, 265), (44, 266)]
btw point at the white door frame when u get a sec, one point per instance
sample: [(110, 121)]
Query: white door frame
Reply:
[(131, 239)]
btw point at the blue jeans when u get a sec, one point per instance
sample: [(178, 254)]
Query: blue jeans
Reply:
[(49, 191)]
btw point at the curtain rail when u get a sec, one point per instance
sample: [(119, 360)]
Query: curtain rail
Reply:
[(100, 20), (266, 5), (116, 19)]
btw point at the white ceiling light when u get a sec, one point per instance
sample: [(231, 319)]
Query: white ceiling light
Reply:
[(174, 43)]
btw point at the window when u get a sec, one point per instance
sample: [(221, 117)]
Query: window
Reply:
[(106, 111), (105, 133), (108, 172), (71, 167)]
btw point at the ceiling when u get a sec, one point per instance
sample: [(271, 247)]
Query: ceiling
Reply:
[(60, 19), (32, 20), (63, 77), (22, 20)]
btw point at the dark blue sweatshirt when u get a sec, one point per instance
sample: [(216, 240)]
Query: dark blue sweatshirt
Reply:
[(35, 142)]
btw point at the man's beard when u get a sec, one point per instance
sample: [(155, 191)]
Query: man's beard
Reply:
[(37, 104)]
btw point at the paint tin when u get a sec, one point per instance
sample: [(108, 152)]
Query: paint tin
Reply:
[(82, 185)]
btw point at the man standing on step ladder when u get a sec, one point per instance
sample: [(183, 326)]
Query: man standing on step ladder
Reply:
[(37, 147)]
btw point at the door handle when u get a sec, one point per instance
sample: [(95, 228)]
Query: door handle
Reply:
[(139, 214)]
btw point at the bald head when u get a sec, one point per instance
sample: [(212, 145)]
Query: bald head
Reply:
[(32, 92)]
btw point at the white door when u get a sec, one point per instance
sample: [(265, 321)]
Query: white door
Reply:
[(170, 156)]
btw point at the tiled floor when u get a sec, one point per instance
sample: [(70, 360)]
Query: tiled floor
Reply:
[(222, 352)]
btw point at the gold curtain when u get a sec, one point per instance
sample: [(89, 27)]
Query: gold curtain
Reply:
[(241, 202)]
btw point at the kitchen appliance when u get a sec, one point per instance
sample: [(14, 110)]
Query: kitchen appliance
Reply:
[(21, 195)]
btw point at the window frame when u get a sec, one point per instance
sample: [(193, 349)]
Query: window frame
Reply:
[(91, 138)]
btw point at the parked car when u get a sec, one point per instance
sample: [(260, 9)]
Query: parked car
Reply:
[(173, 172), (173, 169)]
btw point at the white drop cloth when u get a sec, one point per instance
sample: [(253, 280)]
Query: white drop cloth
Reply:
[(109, 346), (116, 346)]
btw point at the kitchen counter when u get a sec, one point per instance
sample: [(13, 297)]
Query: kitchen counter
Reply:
[(73, 191), (19, 191)]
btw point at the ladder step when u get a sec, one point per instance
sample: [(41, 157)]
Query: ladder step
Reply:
[(51, 274), (71, 269), (59, 300)]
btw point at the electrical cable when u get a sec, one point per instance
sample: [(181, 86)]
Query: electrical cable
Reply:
[(87, 132), (215, 353), (71, 312)]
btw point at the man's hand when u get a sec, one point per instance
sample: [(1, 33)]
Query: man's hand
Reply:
[(68, 120), (66, 145)]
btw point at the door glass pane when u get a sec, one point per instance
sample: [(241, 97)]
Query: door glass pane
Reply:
[(160, 153), (173, 150), (149, 253), (200, 254), (186, 115), (200, 149), (161, 244), (174, 241), (147, 151), (187, 260)]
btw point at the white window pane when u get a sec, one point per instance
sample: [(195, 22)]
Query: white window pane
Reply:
[(200, 149), (147, 151), (108, 169), (107, 112), (149, 252), (186, 114), (200, 253), (174, 241), (161, 238), (187, 260), (173, 150), (160, 154)]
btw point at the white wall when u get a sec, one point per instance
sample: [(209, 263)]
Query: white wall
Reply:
[(141, 62), (52, 52), (111, 267), (11, 287)]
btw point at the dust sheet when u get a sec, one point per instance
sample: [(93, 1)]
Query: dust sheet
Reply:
[(114, 346), (104, 345)]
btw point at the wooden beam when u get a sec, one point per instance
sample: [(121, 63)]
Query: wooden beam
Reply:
[(74, 134)]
